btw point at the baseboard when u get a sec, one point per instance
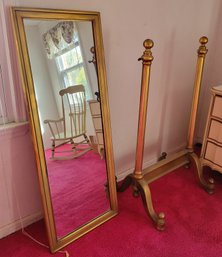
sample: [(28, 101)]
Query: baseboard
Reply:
[(123, 174), (146, 164), (18, 224)]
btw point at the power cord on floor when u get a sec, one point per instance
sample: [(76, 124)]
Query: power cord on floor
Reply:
[(44, 245)]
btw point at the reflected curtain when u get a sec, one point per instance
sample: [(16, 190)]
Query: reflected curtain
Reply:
[(59, 37)]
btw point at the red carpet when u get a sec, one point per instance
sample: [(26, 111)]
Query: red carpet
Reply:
[(77, 189), (194, 226)]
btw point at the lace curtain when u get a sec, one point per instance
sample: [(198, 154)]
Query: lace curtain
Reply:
[(59, 37)]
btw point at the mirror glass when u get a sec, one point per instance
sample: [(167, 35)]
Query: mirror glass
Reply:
[(62, 66), (65, 81)]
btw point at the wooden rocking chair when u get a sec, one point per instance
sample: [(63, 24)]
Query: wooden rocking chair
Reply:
[(72, 126)]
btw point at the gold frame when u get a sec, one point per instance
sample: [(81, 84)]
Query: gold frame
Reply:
[(18, 14)]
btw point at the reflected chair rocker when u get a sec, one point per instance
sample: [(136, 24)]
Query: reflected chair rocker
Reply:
[(71, 128)]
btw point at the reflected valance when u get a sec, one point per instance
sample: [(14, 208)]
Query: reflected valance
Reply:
[(59, 37)]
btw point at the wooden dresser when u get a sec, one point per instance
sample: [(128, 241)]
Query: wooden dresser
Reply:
[(211, 154), (97, 122)]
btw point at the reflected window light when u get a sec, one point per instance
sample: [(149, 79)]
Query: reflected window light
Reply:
[(70, 66), (40, 117)]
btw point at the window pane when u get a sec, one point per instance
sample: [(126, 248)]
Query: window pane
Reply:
[(79, 54), (75, 77), (69, 59)]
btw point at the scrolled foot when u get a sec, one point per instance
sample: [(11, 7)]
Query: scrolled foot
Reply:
[(210, 186), (136, 192), (163, 156), (187, 166), (160, 224), (125, 184)]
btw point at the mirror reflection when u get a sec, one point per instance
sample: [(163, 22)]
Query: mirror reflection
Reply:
[(64, 72)]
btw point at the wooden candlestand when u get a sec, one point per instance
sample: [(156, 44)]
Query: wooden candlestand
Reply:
[(140, 179)]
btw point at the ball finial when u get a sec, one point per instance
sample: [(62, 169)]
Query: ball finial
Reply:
[(148, 43), (161, 215), (203, 40)]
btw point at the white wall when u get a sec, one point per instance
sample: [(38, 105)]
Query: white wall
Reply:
[(86, 39), (45, 96), (175, 26), (213, 74), (19, 190)]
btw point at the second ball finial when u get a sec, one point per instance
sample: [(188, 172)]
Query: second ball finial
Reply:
[(148, 43), (203, 40)]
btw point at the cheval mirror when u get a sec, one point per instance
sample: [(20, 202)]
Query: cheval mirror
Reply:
[(63, 75)]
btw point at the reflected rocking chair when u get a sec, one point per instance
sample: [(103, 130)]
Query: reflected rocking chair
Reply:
[(71, 128)]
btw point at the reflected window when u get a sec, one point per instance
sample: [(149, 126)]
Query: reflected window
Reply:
[(62, 44), (70, 65)]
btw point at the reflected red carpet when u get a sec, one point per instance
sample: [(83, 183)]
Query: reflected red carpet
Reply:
[(193, 226), (77, 189)]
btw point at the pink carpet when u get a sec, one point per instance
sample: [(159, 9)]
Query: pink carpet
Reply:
[(194, 226), (77, 189)]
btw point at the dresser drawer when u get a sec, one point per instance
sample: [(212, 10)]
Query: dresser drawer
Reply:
[(213, 153), (95, 107), (217, 108), (100, 138), (97, 123), (215, 132)]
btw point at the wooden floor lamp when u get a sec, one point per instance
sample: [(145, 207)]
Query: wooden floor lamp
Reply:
[(140, 179)]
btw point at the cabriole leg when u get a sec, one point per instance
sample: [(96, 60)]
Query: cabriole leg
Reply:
[(159, 220), (208, 186)]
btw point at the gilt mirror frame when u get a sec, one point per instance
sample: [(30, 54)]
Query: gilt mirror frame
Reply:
[(18, 16)]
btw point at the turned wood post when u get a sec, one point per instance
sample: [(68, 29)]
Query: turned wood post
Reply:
[(147, 59), (202, 51)]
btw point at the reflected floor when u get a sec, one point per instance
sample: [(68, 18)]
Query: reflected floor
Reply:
[(77, 189)]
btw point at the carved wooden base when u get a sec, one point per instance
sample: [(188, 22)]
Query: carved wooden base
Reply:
[(150, 174)]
